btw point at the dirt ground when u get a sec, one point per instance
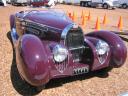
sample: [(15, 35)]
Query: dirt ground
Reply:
[(111, 83)]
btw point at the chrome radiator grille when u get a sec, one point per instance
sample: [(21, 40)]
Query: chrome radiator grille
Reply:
[(77, 53), (61, 66), (75, 43), (74, 39)]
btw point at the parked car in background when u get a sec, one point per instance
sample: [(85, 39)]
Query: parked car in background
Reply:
[(1, 3), (123, 4), (71, 1), (60, 1), (48, 45), (8, 1), (48, 3), (100, 3), (94, 3), (37, 3), (19, 2), (52, 3)]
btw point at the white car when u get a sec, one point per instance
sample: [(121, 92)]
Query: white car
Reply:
[(123, 3), (8, 1), (19, 2), (3, 3)]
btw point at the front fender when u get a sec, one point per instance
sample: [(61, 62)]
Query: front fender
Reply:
[(32, 61), (12, 21), (118, 48)]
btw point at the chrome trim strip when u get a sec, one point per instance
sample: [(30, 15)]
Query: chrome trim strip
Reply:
[(101, 59), (66, 29), (14, 35), (42, 25), (77, 48)]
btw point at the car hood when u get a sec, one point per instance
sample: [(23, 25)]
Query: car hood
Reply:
[(51, 18)]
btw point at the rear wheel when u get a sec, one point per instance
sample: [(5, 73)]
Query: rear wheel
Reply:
[(82, 3), (89, 4), (124, 6)]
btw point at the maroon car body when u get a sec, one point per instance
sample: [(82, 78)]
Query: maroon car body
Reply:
[(49, 45), (37, 3)]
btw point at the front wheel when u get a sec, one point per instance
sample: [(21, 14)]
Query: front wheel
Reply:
[(36, 88), (124, 6), (118, 48), (40, 88), (105, 6), (85, 4)]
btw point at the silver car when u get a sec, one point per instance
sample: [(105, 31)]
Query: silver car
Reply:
[(19, 2)]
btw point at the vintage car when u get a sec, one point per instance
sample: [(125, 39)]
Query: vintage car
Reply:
[(48, 45), (38, 3)]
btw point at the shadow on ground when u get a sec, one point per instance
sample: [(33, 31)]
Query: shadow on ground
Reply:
[(25, 89)]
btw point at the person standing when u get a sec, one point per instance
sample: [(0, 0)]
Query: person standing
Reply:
[(51, 3), (4, 1)]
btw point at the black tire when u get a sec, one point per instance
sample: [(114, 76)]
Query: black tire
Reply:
[(93, 6), (1, 4), (12, 3), (85, 4), (55, 2), (89, 4), (113, 8), (40, 88), (37, 88), (124, 6), (82, 4), (105, 6), (63, 2)]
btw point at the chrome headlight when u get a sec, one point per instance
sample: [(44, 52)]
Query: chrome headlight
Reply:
[(60, 53), (102, 47)]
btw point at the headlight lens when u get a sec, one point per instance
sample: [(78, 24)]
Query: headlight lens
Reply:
[(60, 53), (102, 47)]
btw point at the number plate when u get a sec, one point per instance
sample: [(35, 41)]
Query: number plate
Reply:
[(81, 70)]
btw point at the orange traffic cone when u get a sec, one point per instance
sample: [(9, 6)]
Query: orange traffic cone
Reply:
[(83, 21), (70, 15), (120, 24), (105, 19), (82, 14), (97, 26), (74, 16), (89, 16)]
